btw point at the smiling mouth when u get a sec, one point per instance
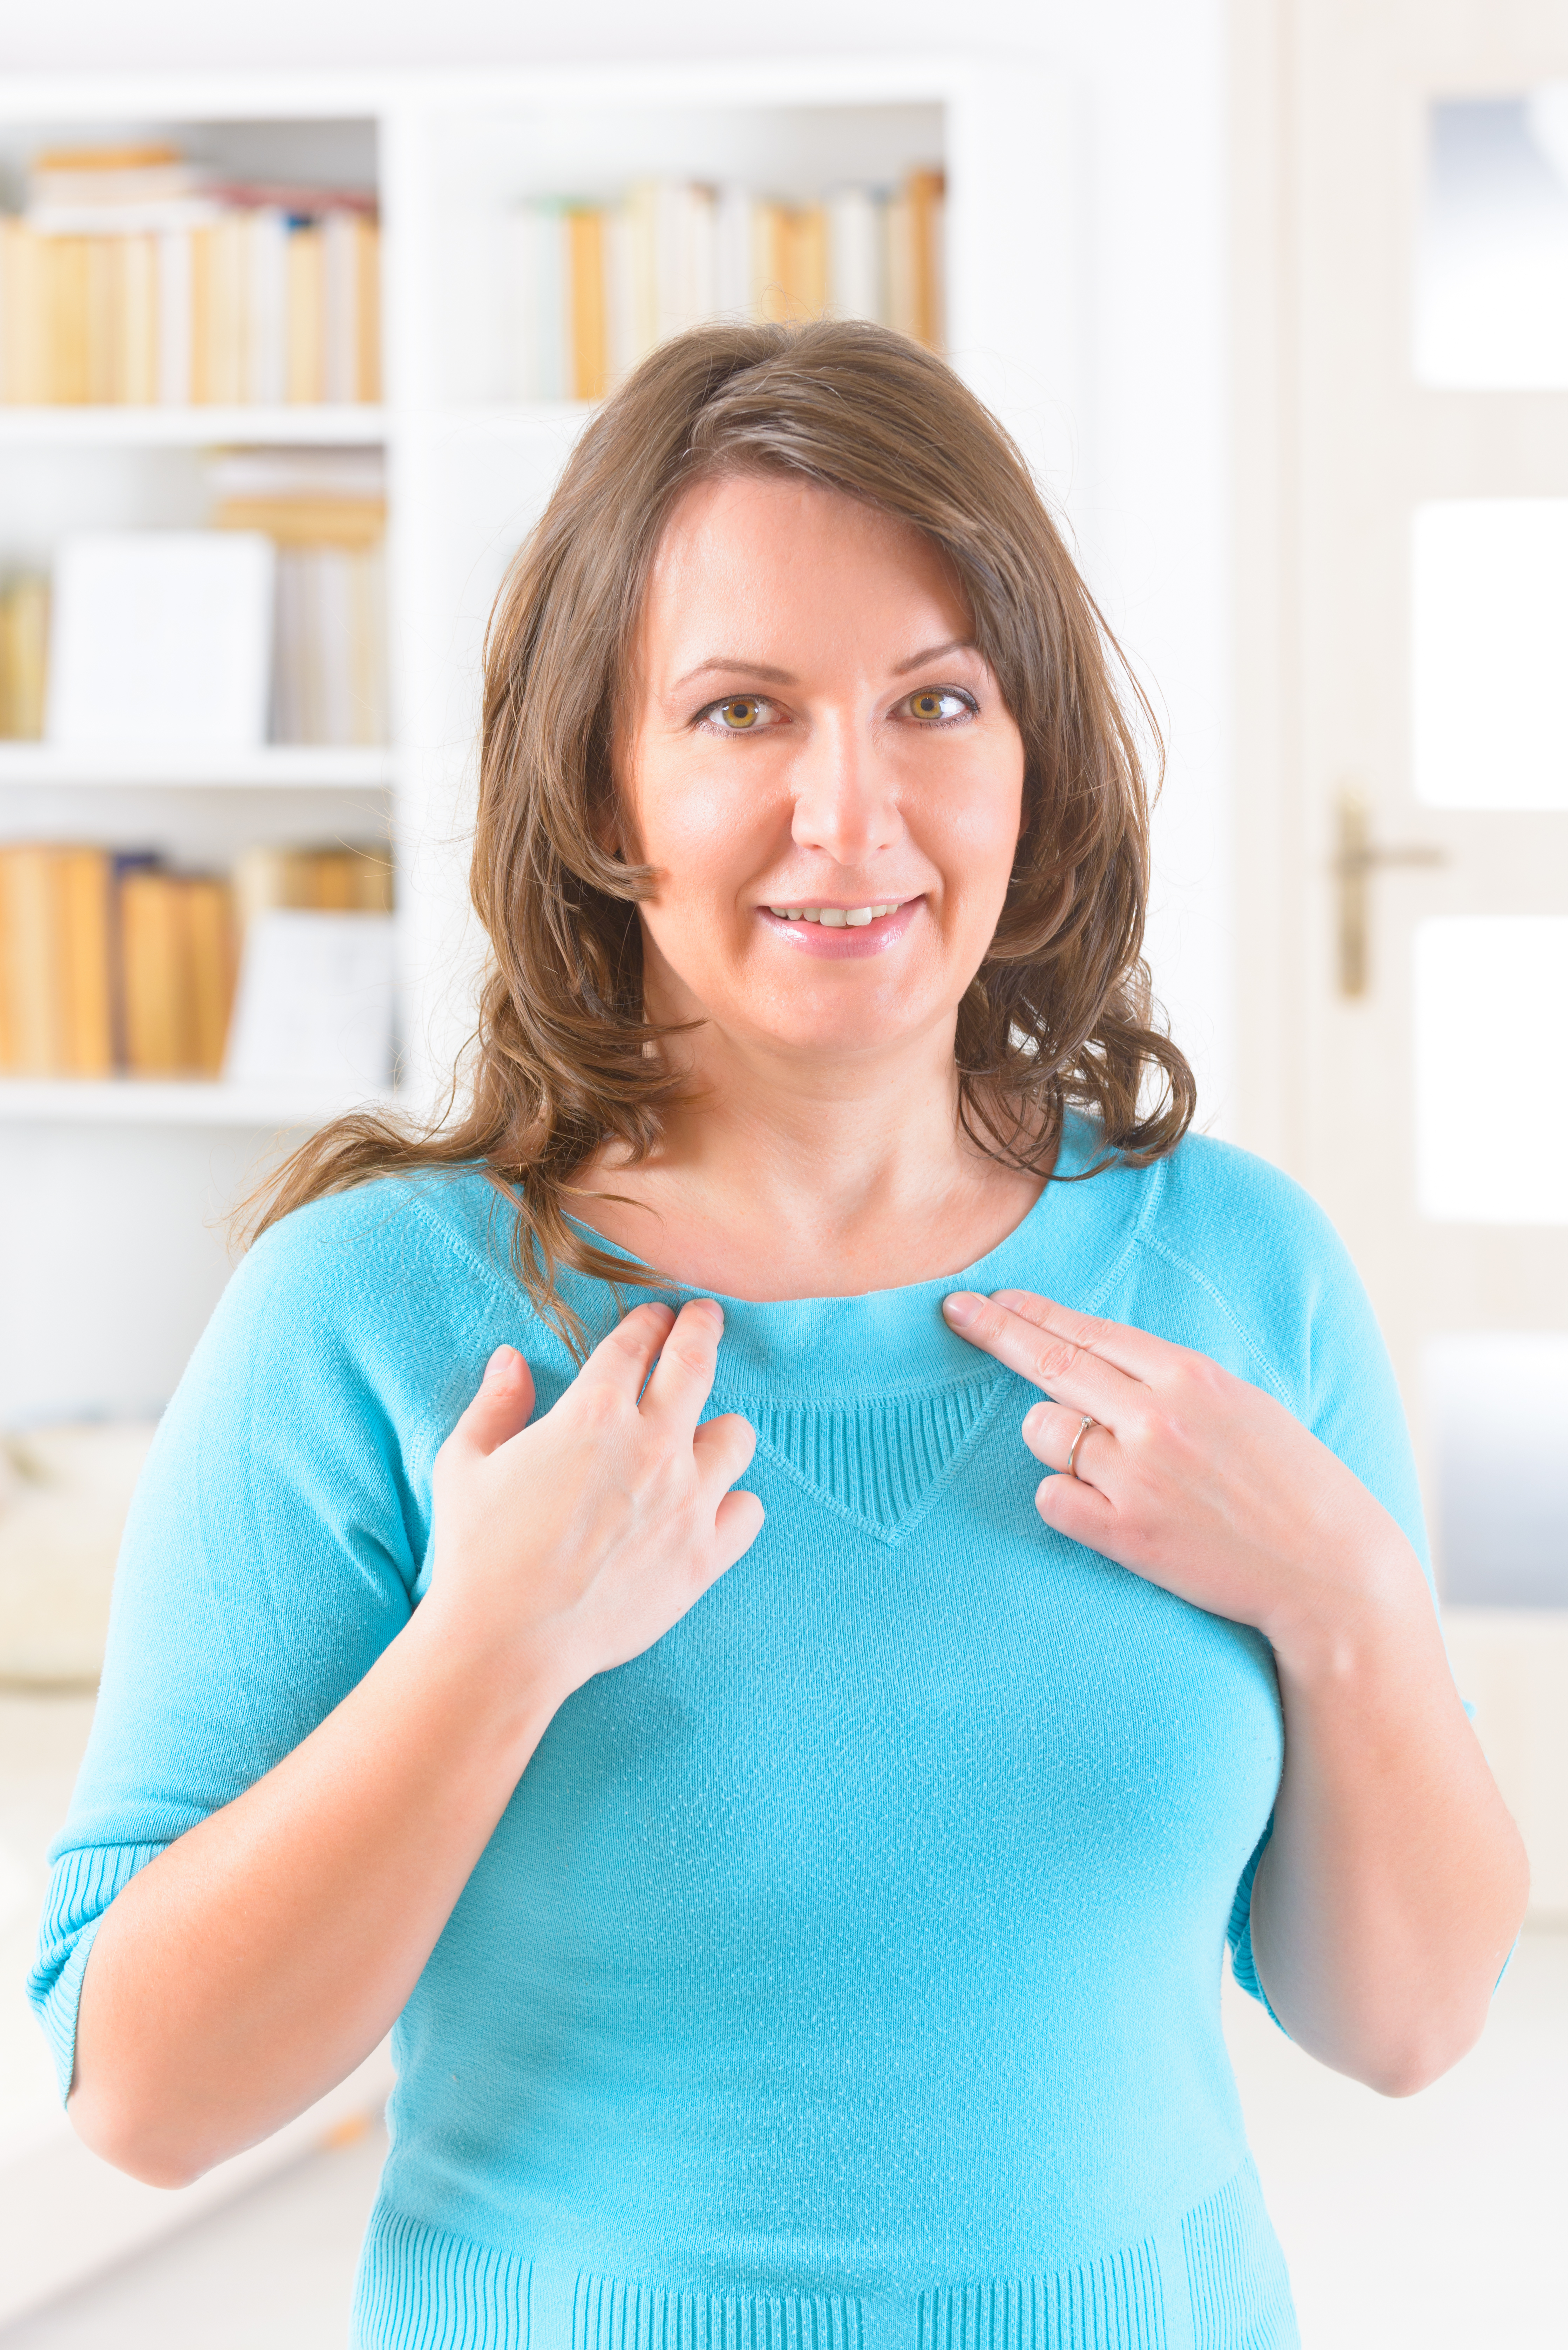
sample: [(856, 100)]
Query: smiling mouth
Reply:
[(840, 918)]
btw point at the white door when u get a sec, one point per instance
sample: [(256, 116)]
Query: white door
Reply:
[(1420, 478)]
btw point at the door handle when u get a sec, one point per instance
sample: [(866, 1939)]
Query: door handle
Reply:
[(1356, 856)]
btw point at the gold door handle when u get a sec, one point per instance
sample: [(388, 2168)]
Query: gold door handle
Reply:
[(1357, 856)]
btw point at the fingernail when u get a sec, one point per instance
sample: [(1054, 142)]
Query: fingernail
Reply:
[(1032, 1420), (499, 1360), (961, 1308)]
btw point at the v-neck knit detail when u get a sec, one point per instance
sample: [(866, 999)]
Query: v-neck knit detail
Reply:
[(844, 1972)]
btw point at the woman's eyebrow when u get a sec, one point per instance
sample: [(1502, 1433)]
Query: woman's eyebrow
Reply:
[(935, 652), (727, 664)]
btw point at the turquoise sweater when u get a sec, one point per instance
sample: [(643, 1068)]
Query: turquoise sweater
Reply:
[(845, 1971)]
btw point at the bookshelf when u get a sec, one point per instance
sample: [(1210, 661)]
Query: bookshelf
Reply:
[(112, 1192)]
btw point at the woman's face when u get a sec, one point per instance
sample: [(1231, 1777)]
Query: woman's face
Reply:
[(819, 768)]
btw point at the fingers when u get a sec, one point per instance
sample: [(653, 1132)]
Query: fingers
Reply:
[(683, 1376), (502, 1406), (723, 1449), (1066, 1364), (1055, 1433), (623, 1360), (736, 1526), (1136, 1352)]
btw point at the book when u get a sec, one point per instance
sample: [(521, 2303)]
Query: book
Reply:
[(24, 651), (31, 1015), (176, 972), (130, 282), (591, 289), (314, 1002), (162, 638), (56, 978), (84, 962)]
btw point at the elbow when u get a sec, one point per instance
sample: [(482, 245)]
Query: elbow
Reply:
[(1414, 2063), (136, 2141)]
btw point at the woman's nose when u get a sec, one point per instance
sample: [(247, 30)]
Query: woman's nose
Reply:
[(845, 804)]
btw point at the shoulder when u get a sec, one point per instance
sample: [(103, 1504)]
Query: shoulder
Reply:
[(385, 1295), (1246, 1246), (394, 1249)]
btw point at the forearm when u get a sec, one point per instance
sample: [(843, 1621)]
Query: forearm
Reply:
[(255, 1963), (1394, 1882)]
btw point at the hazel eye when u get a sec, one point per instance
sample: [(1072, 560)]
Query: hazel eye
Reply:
[(937, 705), (741, 714)]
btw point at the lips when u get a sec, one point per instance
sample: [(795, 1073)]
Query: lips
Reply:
[(841, 933)]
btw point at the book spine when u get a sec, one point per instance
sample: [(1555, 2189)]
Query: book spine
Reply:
[(67, 277), (588, 354), (854, 240), (83, 965), (105, 293), (368, 308), (769, 263), (924, 193), (806, 262), (899, 264), (139, 320), (732, 241), (154, 976), (29, 936), (340, 303), (175, 320), (266, 305), (209, 942), (304, 374)]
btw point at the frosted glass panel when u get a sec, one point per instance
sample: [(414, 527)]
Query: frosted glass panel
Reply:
[(1488, 653), (1491, 1089), (1491, 274), (1497, 1407)]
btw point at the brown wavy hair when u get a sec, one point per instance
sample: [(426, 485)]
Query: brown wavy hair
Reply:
[(564, 1060)]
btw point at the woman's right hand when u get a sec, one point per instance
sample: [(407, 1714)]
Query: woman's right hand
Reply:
[(574, 1542)]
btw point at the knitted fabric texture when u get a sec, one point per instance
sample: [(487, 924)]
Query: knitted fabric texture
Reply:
[(845, 1973)]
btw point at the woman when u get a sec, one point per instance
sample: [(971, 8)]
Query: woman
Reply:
[(800, 1904)]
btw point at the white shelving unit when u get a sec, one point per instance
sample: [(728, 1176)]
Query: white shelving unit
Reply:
[(112, 1195)]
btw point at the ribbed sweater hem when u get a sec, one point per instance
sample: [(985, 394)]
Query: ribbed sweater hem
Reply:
[(1214, 2280)]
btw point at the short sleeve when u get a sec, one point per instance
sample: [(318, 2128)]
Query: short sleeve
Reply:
[(1286, 1278), (271, 1552)]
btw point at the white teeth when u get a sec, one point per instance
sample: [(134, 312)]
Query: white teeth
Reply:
[(837, 918)]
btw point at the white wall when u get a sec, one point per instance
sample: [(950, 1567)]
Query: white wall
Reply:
[(1147, 500)]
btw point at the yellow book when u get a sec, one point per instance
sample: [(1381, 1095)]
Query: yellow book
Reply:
[(924, 194), (82, 885), (34, 1025), (67, 281), (210, 979), (367, 306), (100, 272), (137, 357), (202, 269), (22, 373), (769, 261), (306, 521), (305, 375), (900, 274), (590, 337), (804, 245), (23, 652), (154, 976)]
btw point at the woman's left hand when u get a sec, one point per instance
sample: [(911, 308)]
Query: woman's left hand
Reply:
[(1192, 1477)]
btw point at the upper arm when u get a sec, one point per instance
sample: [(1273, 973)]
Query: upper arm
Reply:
[(270, 1555)]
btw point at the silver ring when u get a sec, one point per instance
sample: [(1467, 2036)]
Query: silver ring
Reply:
[(1083, 1427)]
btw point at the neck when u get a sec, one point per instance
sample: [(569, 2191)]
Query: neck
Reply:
[(781, 1175)]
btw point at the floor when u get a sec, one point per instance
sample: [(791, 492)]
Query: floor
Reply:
[(1425, 2225)]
